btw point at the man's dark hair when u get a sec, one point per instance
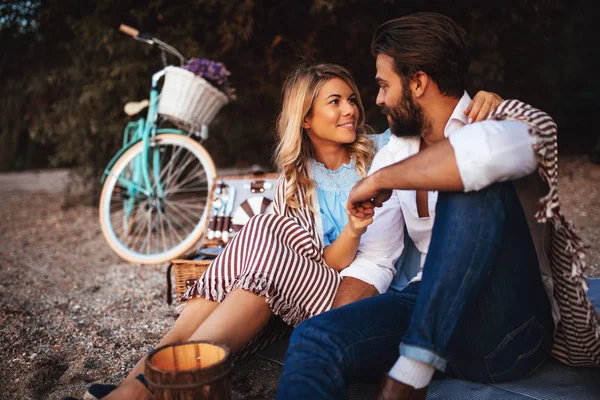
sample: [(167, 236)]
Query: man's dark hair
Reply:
[(428, 42)]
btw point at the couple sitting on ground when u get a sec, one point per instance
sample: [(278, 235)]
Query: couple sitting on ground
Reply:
[(466, 298)]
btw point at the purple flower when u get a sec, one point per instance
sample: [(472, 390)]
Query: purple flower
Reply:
[(214, 72)]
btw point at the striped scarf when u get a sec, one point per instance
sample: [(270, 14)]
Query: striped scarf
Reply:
[(577, 335)]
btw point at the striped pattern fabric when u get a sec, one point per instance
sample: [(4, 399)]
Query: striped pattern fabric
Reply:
[(577, 335), (278, 256)]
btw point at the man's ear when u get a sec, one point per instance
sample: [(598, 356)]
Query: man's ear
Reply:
[(419, 83)]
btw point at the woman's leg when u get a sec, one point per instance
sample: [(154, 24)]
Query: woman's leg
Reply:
[(236, 321), (195, 312), (351, 290), (233, 322)]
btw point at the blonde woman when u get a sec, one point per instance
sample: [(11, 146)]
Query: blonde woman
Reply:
[(286, 266)]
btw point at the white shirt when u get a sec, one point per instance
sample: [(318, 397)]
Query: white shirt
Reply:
[(486, 152)]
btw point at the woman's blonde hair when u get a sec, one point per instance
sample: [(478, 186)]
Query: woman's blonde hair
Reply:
[(294, 149)]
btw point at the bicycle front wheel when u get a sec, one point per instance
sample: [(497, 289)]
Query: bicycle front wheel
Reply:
[(154, 225)]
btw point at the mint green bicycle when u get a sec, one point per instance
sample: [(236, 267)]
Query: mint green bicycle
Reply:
[(153, 205)]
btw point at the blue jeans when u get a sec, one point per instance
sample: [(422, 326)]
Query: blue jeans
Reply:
[(480, 308)]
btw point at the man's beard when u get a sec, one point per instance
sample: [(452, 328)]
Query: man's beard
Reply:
[(407, 117)]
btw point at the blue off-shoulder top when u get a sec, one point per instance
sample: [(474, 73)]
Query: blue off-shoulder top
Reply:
[(333, 188)]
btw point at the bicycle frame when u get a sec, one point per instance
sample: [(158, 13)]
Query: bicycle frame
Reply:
[(143, 130)]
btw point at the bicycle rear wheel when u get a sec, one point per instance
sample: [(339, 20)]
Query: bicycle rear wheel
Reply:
[(154, 225)]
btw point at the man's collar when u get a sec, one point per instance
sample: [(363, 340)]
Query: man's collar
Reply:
[(458, 118)]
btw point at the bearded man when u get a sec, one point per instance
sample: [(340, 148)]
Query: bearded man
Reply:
[(477, 307)]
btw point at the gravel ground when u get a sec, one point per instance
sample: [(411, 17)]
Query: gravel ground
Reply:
[(72, 313)]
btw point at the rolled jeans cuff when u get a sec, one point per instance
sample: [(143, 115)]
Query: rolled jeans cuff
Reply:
[(423, 355)]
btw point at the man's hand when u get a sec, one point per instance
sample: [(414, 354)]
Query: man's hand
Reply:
[(365, 196)]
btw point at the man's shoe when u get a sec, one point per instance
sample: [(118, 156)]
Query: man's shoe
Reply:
[(391, 389), (420, 394)]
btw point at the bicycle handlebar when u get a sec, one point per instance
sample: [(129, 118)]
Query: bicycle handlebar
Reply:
[(134, 33), (129, 30)]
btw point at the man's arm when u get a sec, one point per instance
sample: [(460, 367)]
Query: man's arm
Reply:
[(472, 158), (434, 168)]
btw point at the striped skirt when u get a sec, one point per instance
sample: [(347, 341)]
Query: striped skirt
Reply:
[(275, 257)]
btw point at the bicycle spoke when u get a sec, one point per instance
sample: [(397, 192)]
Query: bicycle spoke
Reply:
[(120, 216), (197, 177), (117, 198), (133, 237), (190, 204), (187, 209), (199, 167), (172, 229), (188, 199), (150, 235), (156, 231), (181, 184), (171, 163), (182, 214), (162, 231), (181, 219), (149, 226), (138, 222), (192, 190), (180, 170), (146, 240)]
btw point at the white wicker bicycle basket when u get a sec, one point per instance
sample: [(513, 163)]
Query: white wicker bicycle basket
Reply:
[(189, 100)]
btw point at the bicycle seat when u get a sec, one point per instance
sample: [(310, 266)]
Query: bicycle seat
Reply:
[(134, 107)]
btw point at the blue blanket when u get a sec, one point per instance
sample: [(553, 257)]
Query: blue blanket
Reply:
[(553, 381)]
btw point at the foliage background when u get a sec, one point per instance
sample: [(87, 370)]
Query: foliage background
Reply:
[(67, 71)]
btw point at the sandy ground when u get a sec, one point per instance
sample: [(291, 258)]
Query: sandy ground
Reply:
[(72, 313)]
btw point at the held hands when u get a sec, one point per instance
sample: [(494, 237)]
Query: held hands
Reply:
[(482, 105), (357, 226), (365, 196)]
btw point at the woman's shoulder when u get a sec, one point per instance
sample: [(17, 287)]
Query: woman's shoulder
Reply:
[(280, 184)]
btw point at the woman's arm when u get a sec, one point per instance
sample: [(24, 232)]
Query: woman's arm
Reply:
[(483, 104), (339, 254)]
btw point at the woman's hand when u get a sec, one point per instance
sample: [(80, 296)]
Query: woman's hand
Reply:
[(357, 226), (482, 106), (339, 254)]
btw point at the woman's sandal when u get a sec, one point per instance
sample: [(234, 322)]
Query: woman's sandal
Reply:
[(99, 390)]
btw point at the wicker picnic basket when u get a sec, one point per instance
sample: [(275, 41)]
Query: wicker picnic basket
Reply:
[(253, 190), (187, 272), (188, 100), (196, 370)]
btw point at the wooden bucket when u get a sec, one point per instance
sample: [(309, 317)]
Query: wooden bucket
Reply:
[(189, 371)]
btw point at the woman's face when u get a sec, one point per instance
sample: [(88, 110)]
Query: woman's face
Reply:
[(334, 114)]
